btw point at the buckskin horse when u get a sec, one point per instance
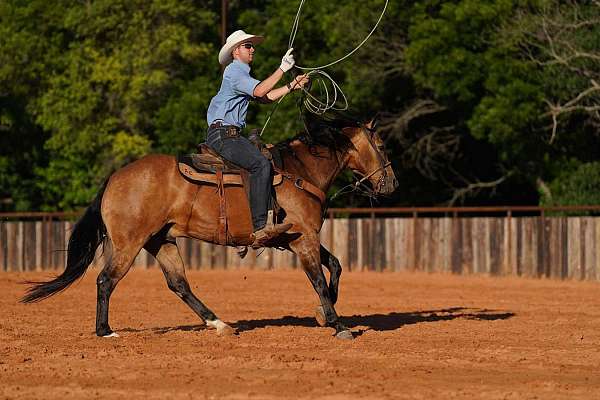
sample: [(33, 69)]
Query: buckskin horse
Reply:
[(148, 203)]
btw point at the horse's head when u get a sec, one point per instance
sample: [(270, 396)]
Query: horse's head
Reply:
[(368, 158)]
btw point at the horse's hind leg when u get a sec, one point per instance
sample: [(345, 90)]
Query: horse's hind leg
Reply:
[(114, 270), (165, 250)]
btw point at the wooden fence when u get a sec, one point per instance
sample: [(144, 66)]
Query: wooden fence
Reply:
[(535, 246)]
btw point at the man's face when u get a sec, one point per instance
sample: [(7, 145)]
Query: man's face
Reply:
[(244, 52)]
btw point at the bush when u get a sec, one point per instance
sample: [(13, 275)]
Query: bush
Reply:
[(576, 187)]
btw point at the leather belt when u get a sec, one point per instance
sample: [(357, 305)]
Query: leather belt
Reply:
[(230, 131)]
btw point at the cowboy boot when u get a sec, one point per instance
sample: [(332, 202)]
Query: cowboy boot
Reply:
[(269, 232)]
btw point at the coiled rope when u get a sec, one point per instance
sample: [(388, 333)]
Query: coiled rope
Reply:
[(328, 86)]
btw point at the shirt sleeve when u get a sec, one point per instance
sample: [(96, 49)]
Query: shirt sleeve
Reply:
[(243, 83)]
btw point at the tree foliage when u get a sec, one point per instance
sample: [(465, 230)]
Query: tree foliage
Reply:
[(493, 102)]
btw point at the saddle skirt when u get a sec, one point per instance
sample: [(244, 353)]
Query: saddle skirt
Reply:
[(234, 225)]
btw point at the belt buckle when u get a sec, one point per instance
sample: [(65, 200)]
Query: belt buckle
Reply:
[(231, 132)]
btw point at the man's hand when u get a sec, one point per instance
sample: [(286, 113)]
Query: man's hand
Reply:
[(299, 82), (287, 62)]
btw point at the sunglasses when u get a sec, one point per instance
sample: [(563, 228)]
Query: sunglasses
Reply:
[(248, 46)]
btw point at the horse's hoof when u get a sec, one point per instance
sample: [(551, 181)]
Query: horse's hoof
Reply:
[(345, 335), (225, 331), (320, 316), (112, 334), (242, 251), (222, 328)]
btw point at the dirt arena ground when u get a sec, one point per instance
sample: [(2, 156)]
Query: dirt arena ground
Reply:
[(418, 336)]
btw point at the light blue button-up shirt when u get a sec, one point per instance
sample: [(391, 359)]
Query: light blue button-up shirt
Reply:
[(231, 102)]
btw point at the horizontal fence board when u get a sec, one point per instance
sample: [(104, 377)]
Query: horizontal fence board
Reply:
[(541, 246)]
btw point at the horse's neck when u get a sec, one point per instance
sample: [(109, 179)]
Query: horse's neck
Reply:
[(317, 164)]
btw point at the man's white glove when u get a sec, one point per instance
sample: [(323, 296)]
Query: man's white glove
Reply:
[(287, 62)]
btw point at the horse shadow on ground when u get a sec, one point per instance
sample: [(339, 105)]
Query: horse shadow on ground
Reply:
[(383, 322), (166, 329), (376, 322)]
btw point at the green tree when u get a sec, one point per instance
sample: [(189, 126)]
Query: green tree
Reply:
[(109, 72), (562, 40), (30, 47)]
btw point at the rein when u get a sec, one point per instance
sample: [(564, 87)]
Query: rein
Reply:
[(383, 167)]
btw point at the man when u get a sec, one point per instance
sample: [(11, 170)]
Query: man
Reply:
[(226, 118)]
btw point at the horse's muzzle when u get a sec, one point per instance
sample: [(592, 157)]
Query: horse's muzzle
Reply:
[(389, 185)]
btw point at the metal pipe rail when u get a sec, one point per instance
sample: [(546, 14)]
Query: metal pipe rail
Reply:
[(332, 212)]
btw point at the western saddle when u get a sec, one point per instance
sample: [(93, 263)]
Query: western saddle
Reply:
[(207, 167)]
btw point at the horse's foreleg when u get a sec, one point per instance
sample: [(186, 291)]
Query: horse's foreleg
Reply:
[(335, 270), (309, 254), (167, 254)]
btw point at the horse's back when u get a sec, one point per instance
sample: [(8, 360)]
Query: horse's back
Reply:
[(151, 163)]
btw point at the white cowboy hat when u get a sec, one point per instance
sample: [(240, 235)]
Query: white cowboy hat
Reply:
[(233, 40)]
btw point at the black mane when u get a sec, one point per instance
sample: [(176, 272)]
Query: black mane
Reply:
[(325, 130)]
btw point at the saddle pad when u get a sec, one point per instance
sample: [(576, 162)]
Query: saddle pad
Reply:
[(207, 177)]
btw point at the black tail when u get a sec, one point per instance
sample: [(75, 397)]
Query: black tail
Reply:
[(88, 233)]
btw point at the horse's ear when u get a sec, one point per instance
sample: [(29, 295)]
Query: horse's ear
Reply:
[(372, 124)]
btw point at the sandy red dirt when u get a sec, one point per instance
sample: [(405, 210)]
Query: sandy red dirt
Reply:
[(419, 336)]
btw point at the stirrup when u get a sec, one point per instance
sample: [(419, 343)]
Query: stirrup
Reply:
[(266, 234), (270, 220)]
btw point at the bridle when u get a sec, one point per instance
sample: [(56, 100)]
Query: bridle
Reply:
[(358, 184)]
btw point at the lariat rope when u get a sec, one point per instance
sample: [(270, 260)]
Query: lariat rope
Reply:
[(327, 84)]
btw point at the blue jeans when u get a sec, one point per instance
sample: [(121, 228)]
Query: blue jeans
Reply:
[(240, 151)]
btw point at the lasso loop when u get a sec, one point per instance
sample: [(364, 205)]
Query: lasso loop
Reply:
[(328, 87), (295, 30)]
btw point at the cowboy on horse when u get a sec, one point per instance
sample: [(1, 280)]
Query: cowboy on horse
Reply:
[(151, 202), (226, 117)]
